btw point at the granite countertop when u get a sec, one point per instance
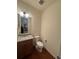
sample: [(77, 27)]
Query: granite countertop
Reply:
[(22, 38)]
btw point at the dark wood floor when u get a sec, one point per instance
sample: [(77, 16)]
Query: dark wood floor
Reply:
[(38, 55)]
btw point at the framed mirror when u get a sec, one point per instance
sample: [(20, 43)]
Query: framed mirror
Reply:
[(24, 23)]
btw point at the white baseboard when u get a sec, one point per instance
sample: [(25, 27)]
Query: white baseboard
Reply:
[(52, 54)]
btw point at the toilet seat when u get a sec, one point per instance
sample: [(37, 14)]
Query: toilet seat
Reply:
[(40, 43)]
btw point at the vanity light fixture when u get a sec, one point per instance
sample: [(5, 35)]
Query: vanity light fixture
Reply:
[(24, 14)]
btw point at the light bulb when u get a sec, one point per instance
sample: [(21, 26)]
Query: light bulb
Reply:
[(21, 13), (27, 15)]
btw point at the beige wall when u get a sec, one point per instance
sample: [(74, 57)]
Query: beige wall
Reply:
[(50, 28), (36, 16)]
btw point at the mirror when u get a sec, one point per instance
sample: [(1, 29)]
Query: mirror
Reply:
[(24, 23)]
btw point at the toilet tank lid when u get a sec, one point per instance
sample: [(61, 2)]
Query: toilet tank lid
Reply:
[(37, 36)]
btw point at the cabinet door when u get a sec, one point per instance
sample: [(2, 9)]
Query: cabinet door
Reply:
[(24, 48)]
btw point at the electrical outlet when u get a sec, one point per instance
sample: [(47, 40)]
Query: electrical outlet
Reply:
[(45, 41)]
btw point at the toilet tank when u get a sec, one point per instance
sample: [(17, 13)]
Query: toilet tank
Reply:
[(37, 38)]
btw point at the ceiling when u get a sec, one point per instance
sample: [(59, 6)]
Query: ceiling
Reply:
[(35, 4)]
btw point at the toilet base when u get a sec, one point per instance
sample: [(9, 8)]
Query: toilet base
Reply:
[(39, 49)]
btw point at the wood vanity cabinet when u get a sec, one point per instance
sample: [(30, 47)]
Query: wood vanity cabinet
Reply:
[(24, 48)]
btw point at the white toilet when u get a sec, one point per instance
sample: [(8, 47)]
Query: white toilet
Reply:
[(39, 44)]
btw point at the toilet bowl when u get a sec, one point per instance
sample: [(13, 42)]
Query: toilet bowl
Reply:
[(39, 44)]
